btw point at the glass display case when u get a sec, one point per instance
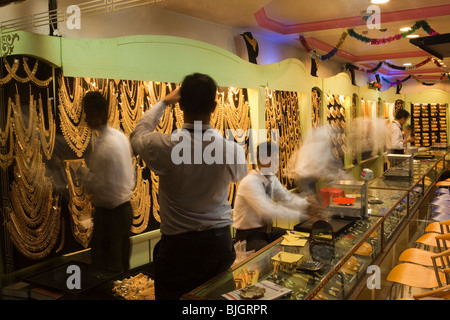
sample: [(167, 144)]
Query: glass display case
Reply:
[(354, 250)]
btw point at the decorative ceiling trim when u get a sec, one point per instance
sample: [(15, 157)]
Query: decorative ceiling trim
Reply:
[(410, 14)]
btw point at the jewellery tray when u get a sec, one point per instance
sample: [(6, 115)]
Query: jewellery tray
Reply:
[(56, 278)]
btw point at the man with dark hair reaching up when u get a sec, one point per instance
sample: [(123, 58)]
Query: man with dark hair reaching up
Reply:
[(196, 242)]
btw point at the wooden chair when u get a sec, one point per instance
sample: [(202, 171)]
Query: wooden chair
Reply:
[(441, 264), (418, 256), (414, 275), (421, 276), (434, 241), (438, 227), (439, 293)]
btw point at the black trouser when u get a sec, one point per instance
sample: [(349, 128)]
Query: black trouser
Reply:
[(110, 244), (258, 238), (184, 262)]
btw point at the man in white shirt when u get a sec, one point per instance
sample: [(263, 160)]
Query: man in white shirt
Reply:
[(110, 180), (196, 242), (260, 198), (395, 140)]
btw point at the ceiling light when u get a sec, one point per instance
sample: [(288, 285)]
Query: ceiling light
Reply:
[(379, 1), (413, 36), (407, 64), (405, 29)]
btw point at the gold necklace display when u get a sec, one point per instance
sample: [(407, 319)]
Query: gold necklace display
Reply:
[(34, 221), (316, 106), (111, 94), (131, 104), (140, 201), (155, 191), (72, 118), (31, 74), (231, 117), (47, 135), (7, 158), (283, 116), (80, 204), (336, 119)]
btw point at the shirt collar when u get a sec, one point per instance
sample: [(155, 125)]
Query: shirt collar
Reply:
[(190, 126), (266, 180)]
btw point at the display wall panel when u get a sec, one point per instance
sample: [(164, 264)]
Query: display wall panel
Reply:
[(45, 140)]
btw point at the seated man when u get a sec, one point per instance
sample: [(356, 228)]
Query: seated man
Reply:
[(260, 198)]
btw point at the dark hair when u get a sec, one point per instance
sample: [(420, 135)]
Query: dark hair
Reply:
[(95, 104), (269, 148), (198, 94), (402, 113)]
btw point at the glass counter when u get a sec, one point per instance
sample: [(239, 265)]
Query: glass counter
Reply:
[(355, 249)]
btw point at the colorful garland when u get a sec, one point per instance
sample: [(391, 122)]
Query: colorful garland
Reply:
[(436, 62), (396, 82), (419, 24), (349, 65), (327, 56), (420, 64), (443, 76)]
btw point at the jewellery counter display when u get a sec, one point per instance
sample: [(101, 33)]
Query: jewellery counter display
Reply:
[(343, 275)]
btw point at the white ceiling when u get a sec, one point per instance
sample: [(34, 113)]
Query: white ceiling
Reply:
[(320, 21)]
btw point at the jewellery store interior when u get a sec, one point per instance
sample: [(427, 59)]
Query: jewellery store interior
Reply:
[(325, 82)]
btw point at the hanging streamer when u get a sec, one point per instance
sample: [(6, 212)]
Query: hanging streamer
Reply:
[(327, 56), (443, 76), (396, 82), (373, 41)]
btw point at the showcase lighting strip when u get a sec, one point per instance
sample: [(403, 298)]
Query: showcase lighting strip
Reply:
[(88, 8)]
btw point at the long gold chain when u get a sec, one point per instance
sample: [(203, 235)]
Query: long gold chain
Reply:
[(80, 205), (140, 201), (6, 159), (282, 115), (31, 74), (33, 222), (73, 124), (47, 135)]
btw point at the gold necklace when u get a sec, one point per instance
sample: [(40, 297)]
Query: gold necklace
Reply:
[(140, 201), (80, 205), (155, 190), (47, 135), (72, 120), (32, 74)]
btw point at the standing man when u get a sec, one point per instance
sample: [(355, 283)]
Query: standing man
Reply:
[(395, 140), (196, 242), (110, 179), (260, 198)]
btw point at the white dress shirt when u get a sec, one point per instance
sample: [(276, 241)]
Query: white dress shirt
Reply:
[(394, 137), (111, 179), (255, 206), (193, 195)]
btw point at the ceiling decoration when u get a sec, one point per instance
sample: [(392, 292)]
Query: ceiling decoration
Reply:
[(379, 49)]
